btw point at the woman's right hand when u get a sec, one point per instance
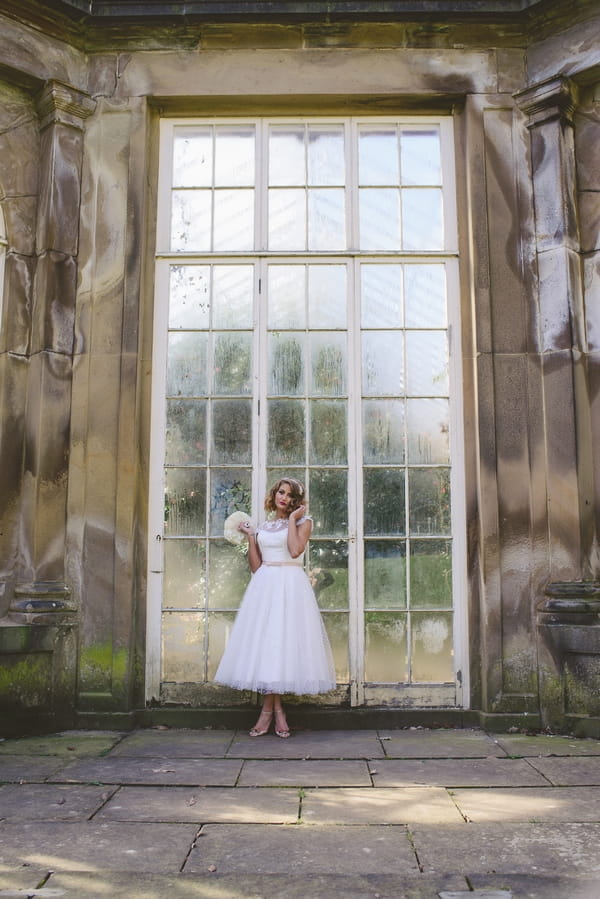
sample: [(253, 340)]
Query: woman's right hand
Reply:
[(246, 528)]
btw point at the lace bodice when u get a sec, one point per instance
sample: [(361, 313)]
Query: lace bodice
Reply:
[(272, 541)]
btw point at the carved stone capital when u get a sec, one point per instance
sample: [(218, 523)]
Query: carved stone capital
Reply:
[(59, 103), (548, 101), (42, 602)]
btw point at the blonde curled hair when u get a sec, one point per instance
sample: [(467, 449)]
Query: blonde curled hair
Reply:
[(296, 490)]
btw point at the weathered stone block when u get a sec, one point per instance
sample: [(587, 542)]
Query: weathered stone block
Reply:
[(54, 307), (19, 280)]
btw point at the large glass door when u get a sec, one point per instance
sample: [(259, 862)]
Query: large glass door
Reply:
[(305, 292)]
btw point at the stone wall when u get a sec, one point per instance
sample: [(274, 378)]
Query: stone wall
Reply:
[(79, 116)]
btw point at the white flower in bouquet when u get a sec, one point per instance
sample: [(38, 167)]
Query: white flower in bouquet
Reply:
[(230, 530)]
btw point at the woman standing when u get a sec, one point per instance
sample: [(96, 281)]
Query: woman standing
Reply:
[(278, 642)]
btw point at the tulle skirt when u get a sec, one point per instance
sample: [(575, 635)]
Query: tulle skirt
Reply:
[(278, 643)]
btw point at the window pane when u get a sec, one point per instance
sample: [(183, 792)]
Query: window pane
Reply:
[(189, 296), (326, 156), (382, 363), (286, 365), (378, 157), (230, 491), (327, 296), (425, 292), (326, 219), (286, 296), (287, 162), (231, 431), (384, 509), (420, 154), (185, 502), (191, 220), (328, 498), (422, 220), (336, 625), (228, 575), (234, 157), (427, 363), (381, 296), (185, 435), (287, 219), (429, 500), (233, 363), (233, 291), (431, 639), (430, 574), (428, 432), (328, 572), (219, 628), (286, 432), (234, 220), (182, 647), (328, 432), (379, 211), (385, 575), (328, 363), (386, 648), (184, 578), (192, 157), (186, 363), (383, 431)]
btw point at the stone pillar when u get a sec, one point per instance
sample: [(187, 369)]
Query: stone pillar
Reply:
[(550, 107), (62, 111)]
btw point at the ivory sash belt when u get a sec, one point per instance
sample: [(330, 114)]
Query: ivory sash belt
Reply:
[(297, 564)]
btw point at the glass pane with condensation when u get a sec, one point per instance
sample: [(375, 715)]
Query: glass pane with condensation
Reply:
[(219, 629), (381, 295), (328, 493), (382, 363), (429, 501), (287, 156), (192, 157), (336, 625), (228, 575), (386, 647), (422, 219), (286, 365), (326, 219), (182, 647), (427, 363), (379, 217), (385, 574), (230, 491), (286, 296), (234, 220), (185, 435), (234, 156), (328, 572), (428, 430), (191, 221), (430, 574), (186, 363), (328, 363), (326, 158), (378, 160), (189, 297), (328, 432), (432, 648), (184, 574), (425, 296), (287, 219), (233, 296), (231, 432), (233, 362), (384, 505), (383, 432), (420, 154), (286, 432), (185, 502), (327, 296)]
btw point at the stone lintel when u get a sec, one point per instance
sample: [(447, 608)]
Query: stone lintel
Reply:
[(59, 103), (549, 100)]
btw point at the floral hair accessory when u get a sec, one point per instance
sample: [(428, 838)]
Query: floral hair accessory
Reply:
[(230, 529)]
